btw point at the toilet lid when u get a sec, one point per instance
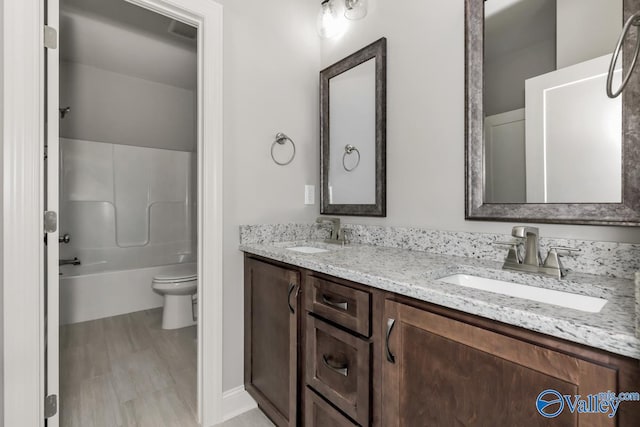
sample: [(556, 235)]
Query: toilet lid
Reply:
[(180, 272)]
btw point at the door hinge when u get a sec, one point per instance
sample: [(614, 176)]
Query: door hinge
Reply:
[(50, 37), (50, 221), (50, 405)]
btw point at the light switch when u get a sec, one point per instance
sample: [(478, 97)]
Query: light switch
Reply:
[(309, 194)]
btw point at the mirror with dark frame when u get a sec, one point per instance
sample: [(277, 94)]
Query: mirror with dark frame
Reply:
[(353, 133), (544, 142)]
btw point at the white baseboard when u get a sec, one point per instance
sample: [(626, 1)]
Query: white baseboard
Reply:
[(235, 402)]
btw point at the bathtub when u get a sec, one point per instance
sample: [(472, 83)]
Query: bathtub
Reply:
[(87, 293)]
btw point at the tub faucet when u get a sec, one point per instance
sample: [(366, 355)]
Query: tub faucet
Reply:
[(74, 261)]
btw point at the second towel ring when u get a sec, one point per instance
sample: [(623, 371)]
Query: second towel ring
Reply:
[(634, 21), (348, 149), (281, 138)]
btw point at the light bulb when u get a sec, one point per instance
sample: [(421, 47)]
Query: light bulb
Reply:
[(330, 24), (355, 9)]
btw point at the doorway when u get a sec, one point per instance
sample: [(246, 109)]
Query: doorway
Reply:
[(196, 393), (127, 216), (25, 327)]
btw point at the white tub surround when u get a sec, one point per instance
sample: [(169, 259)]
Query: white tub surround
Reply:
[(415, 273), (126, 207)]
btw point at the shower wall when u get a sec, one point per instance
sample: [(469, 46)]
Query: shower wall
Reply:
[(126, 207)]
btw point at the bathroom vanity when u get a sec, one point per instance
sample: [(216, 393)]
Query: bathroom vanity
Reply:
[(364, 335)]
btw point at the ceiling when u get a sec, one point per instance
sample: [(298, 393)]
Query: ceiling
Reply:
[(116, 36)]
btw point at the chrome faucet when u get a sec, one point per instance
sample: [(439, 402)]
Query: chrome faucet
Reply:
[(531, 261), (74, 261), (337, 235)]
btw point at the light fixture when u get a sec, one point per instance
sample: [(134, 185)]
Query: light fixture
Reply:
[(330, 23), (355, 9)]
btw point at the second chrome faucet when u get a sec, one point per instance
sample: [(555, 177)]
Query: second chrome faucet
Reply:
[(337, 233)]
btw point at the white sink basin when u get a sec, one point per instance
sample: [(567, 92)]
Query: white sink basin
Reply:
[(307, 249), (533, 293)]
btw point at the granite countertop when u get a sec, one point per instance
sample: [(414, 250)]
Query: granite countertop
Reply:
[(415, 274)]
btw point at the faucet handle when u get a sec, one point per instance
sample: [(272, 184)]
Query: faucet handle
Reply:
[(514, 255), (565, 249), (553, 258), (345, 235)]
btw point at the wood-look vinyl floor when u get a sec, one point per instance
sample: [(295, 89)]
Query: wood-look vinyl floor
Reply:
[(253, 418), (126, 371)]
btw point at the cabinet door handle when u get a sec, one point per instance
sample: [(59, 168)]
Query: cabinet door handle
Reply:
[(340, 368), (340, 305), (390, 324), (292, 286)]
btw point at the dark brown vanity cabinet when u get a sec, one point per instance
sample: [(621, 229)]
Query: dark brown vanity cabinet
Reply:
[(271, 337), (443, 371), (323, 351)]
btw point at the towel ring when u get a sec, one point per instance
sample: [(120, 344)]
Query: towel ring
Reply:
[(281, 138), (348, 149), (634, 21)]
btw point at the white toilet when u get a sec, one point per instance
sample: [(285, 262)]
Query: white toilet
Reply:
[(177, 286)]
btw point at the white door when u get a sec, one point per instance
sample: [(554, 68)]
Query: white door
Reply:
[(573, 134), (52, 166)]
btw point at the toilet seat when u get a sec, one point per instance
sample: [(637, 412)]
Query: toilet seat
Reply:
[(175, 280), (180, 273), (187, 287)]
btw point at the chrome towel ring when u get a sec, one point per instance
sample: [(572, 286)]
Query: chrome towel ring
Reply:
[(348, 150), (634, 21), (281, 138)]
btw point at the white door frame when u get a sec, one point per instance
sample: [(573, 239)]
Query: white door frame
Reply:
[(21, 213)]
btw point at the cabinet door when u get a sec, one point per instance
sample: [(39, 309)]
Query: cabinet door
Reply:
[(442, 372), (271, 337)]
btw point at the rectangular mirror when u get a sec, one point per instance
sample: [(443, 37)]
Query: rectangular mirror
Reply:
[(353, 134), (544, 142)]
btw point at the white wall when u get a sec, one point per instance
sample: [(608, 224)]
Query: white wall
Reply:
[(505, 75), (271, 66), (120, 109), (2, 213), (587, 29), (425, 138), (520, 42)]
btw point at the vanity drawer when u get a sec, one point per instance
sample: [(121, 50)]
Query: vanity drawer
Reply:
[(319, 413), (340, 304), (338, 367)]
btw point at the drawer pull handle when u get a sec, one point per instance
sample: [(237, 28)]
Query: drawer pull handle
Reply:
[(340, 305), (390, 324), (341, 368), (292, 286)]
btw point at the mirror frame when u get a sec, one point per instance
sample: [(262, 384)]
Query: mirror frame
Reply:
[(626, 213), (377, 50)]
